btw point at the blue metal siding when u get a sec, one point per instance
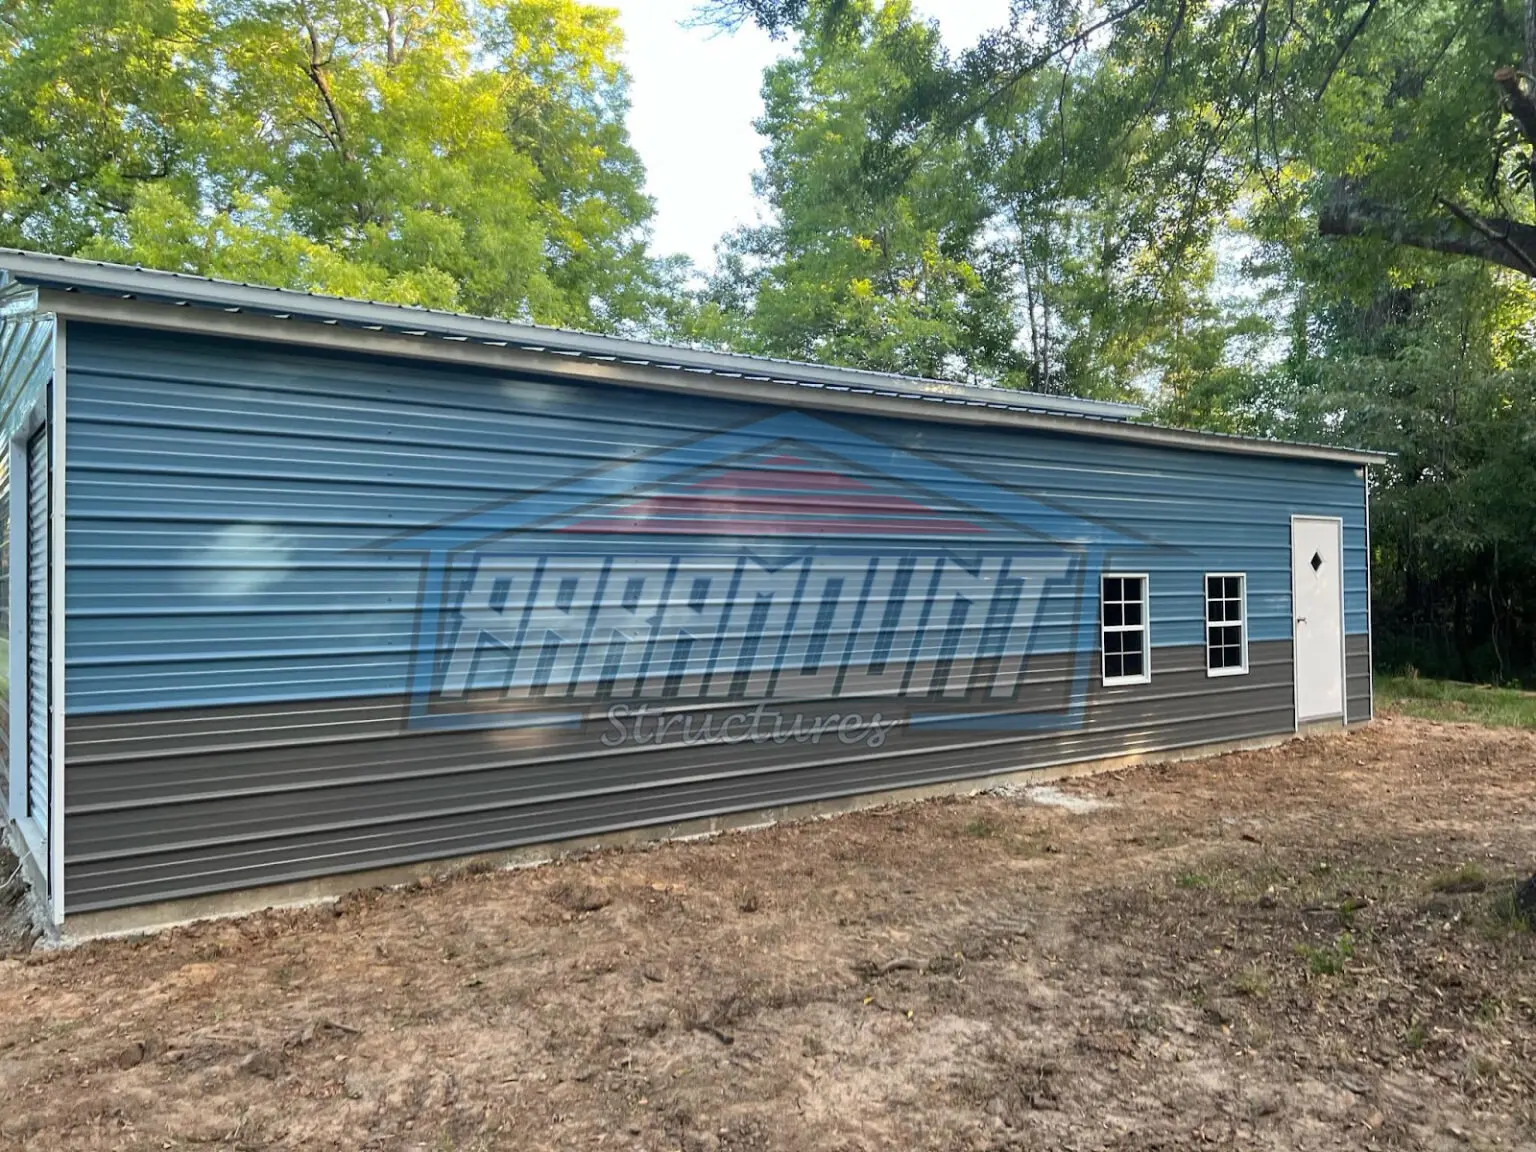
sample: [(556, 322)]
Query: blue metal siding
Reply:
[(267, 546), (224, 523)]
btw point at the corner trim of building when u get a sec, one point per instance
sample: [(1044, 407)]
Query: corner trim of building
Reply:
[(148, 918), (1370, 600), (58, 466)]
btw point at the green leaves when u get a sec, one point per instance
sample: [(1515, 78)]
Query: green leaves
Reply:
[(96, 104), (876, 255), (459, 153)]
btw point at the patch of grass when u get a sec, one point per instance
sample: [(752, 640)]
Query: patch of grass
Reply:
[(1252, 982), (1455, 702), (982, 829), (1347, 909), (1506, 914), (1192, 880), (1481, 1066), (1416, 1036), (1468, 878), (1025, 846), (1330, 959), (579, 898)]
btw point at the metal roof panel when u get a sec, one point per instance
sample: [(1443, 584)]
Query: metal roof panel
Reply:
[(1090, 417)]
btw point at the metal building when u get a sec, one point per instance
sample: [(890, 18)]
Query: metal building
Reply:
[(301, 587)]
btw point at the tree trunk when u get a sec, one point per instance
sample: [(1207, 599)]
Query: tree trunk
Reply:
[(1530, 37)]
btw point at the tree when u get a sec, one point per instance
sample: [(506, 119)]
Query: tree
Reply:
[(461, 153), (1407, 121), (1117, 277), (876, 254), (1440, 368)]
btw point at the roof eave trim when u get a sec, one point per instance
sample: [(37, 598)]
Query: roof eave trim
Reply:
[(153, 286)]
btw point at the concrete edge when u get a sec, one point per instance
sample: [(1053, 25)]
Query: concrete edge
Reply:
[(149, 918)]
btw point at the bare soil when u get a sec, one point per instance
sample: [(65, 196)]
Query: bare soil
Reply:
[(1314, 946)]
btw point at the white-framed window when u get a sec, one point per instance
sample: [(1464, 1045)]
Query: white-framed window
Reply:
[(1226, 623), (1123, 632)]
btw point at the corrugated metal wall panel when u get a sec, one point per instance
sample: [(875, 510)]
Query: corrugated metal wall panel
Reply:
[(1357, 679), (352, 780), (241, 755), (38, 777), (120, 855), (275, 558)]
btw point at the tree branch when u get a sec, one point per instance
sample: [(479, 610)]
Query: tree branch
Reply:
[(1166, 67), (1344, 46), (1496, 231), (1031, 64), (315, 69), (1496, 240)]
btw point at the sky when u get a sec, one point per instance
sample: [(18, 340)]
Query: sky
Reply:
[(694, 96)]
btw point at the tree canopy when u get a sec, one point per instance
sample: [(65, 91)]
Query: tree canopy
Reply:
[(459, 153), (1418, 113), (872, 258)]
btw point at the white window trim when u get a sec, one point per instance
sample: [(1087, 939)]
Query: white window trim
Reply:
[(1146, 629), (1205, 615)]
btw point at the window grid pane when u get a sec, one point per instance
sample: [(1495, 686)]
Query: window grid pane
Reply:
[(1224, 623), (1123, 627)]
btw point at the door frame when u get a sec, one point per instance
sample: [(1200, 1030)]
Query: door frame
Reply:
[(1338, 523), (46, 409), (33, 834)]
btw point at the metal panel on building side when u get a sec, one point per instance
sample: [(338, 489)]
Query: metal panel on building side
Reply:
[(330, 613)]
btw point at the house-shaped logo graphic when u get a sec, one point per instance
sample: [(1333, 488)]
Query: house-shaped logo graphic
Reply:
[(789, 560)]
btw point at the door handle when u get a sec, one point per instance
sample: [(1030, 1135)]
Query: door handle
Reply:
[(1301, 619)]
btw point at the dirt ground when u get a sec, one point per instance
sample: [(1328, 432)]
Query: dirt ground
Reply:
[(1309, 947)]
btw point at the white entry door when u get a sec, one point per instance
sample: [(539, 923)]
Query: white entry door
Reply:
[(1317, 586)]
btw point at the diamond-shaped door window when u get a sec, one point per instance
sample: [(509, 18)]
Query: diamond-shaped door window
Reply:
[(1317, 561)]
